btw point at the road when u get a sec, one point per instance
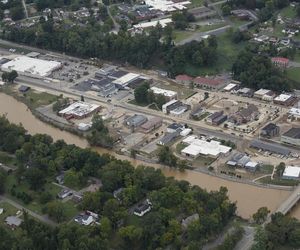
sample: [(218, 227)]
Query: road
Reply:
[(25, 8), (41, 218), (116, 25), (248, 239)]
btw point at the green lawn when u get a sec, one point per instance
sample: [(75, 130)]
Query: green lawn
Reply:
[(183, 93), (195, 3), (266, 169), (138, 104), (179, 147), (180, 35), (237, 22), (281, 182), (203, 161), (288, 12), (9, 210), (294, 75), (205, 28), (70, 209)]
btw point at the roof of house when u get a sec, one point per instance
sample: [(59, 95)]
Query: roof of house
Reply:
[(280, 60), (189, 220), (13, 221), (293, 133), (215, 115), (136, 119), (151, 123), (23, 88), (183, 78), (208, 81), (169, 137), (291, 171), (282, 97)]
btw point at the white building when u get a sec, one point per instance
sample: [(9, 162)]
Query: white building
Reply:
[(230, 87), (261, 92), (169, 94), (162, 22), (32, 67), (198, 147), (123, 81), (167, 5), (79, 110), (294, 112), (291, 172)]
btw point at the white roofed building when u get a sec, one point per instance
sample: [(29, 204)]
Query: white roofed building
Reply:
[(295, 112), (79, 110), (285, 99), (167, 5), (145, 25), (291, 172), (198, 147), (123, 81), (32, 67), (169, 94)]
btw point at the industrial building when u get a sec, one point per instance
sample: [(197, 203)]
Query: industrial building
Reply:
[(285, 100), (291, 173), (270, 130), (292, 137), (261, 93), (168, 138), (173, 104), (163, 22), (295, 112), (31, 66), (168, 94), (105, 87), (231, 87), (79, 110), (123, 81), (151, 124), (198, 147), (136, 120), (244, 161), (209, 83)]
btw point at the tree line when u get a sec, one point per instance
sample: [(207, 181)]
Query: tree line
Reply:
[(39, 159)]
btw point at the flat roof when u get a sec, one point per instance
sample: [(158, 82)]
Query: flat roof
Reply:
[(166, 5), (79, 108), (126, 78), (162, 22), (293, 133), (291, 171), (230, 86), (294, 111), (274, 148), (198, 146), (262, 92), (165, 92), (282, 97), (30, 65)]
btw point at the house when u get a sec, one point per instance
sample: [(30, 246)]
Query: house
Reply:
[(64, 194), (187, 221), (168, 138), (285, 99), (136, 120), (77, 198), (270, 130), (168, 94), (151, 124), (292, 137), (291, 173), (171, 105), (280, 62), (213, 83), (245, 115), (175, 127), (23, 88), (217, 118), (87, 218), (117, 193), (142, 208), (252, 166), (184, 79), (13, 222), (60, 179)]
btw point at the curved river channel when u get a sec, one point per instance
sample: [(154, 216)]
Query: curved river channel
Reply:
[(248, 197)]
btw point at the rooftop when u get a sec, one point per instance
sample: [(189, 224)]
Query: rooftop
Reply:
[(208, 81), (79, 108), (262, 92), (293, 133), (165, 92), (269, 127), (282, 98), (230, 86), (291, 171), (183, 78)]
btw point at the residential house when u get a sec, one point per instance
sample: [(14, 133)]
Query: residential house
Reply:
[(142, 208), (216, 118), (13, 222), (168, 138)]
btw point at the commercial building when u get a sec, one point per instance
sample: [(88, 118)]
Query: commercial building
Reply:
[(144, 25), (291, 173), (151, 124), (175, 127), (168, 138), (246, 92), (238, 160), (270, 130), (123, 81), (295, 112), (292, 137), (136, 120), (231, 87), (173, 104), (184, 79), (245, 115), (168, 94), (217, 118), (270, 147), (209, 83), (262, 92), (32, 67), (196, 113), (280, 62), (79, 110), (167, 5), (105, 87), (198, 147), (285, 100)]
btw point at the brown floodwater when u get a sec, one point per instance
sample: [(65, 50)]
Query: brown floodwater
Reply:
[(248, 197)]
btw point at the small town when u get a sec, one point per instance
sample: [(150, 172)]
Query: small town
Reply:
[(156, 124)]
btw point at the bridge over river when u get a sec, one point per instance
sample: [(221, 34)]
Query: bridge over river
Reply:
[(290, 202)]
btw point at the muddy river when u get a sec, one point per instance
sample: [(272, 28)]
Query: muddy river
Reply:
[(248, 197)]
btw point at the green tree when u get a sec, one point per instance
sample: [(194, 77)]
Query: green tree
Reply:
[(131, 235), (260, 239), (141, 93), (56, 211)]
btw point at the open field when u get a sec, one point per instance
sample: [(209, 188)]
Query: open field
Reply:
[(281, 182), (294, 75)]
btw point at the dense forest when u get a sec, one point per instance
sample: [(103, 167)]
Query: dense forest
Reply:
[(39, 160)]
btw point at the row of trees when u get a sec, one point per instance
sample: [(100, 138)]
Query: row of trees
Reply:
[(39, 159)]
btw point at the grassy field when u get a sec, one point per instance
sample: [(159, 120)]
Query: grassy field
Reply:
[(180, 35), (281, 182), (9, 210), (203, 161), (70, 209), (294, 75), (195, 3), (179, 147), (206, 28), (183, 93), (288, 12)]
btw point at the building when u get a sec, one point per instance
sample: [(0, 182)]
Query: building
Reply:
[(175, 127), (123, 81), (151, 124), (209, 83), (280, 62), (184, 79), (173, 104), (292, 137), (105, 70), (285, 100), (142, 208), (167, 5), (246, 92), (168, 94), (291, 173), (64, 194), (79, 110), (180, 110), (217, 118), (196, 113), (198, 147), (270, 147), (84, 126), (231, 87), (136, 120), (60, 179), (13, 222), (270, 130), (144, 25), (32, 67), (245, 115), (239, 160), (187, 221), (87, 218), (252, 166), (105, 87), (186, 132), (261, 93), (295, 112), (202, 12), (168, 138)]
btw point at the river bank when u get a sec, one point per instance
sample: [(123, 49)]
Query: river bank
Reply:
[(248, 197)]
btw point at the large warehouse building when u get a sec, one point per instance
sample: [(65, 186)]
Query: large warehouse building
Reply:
[(32, 67)]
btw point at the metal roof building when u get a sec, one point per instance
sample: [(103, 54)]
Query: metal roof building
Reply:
[(270, 147)]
